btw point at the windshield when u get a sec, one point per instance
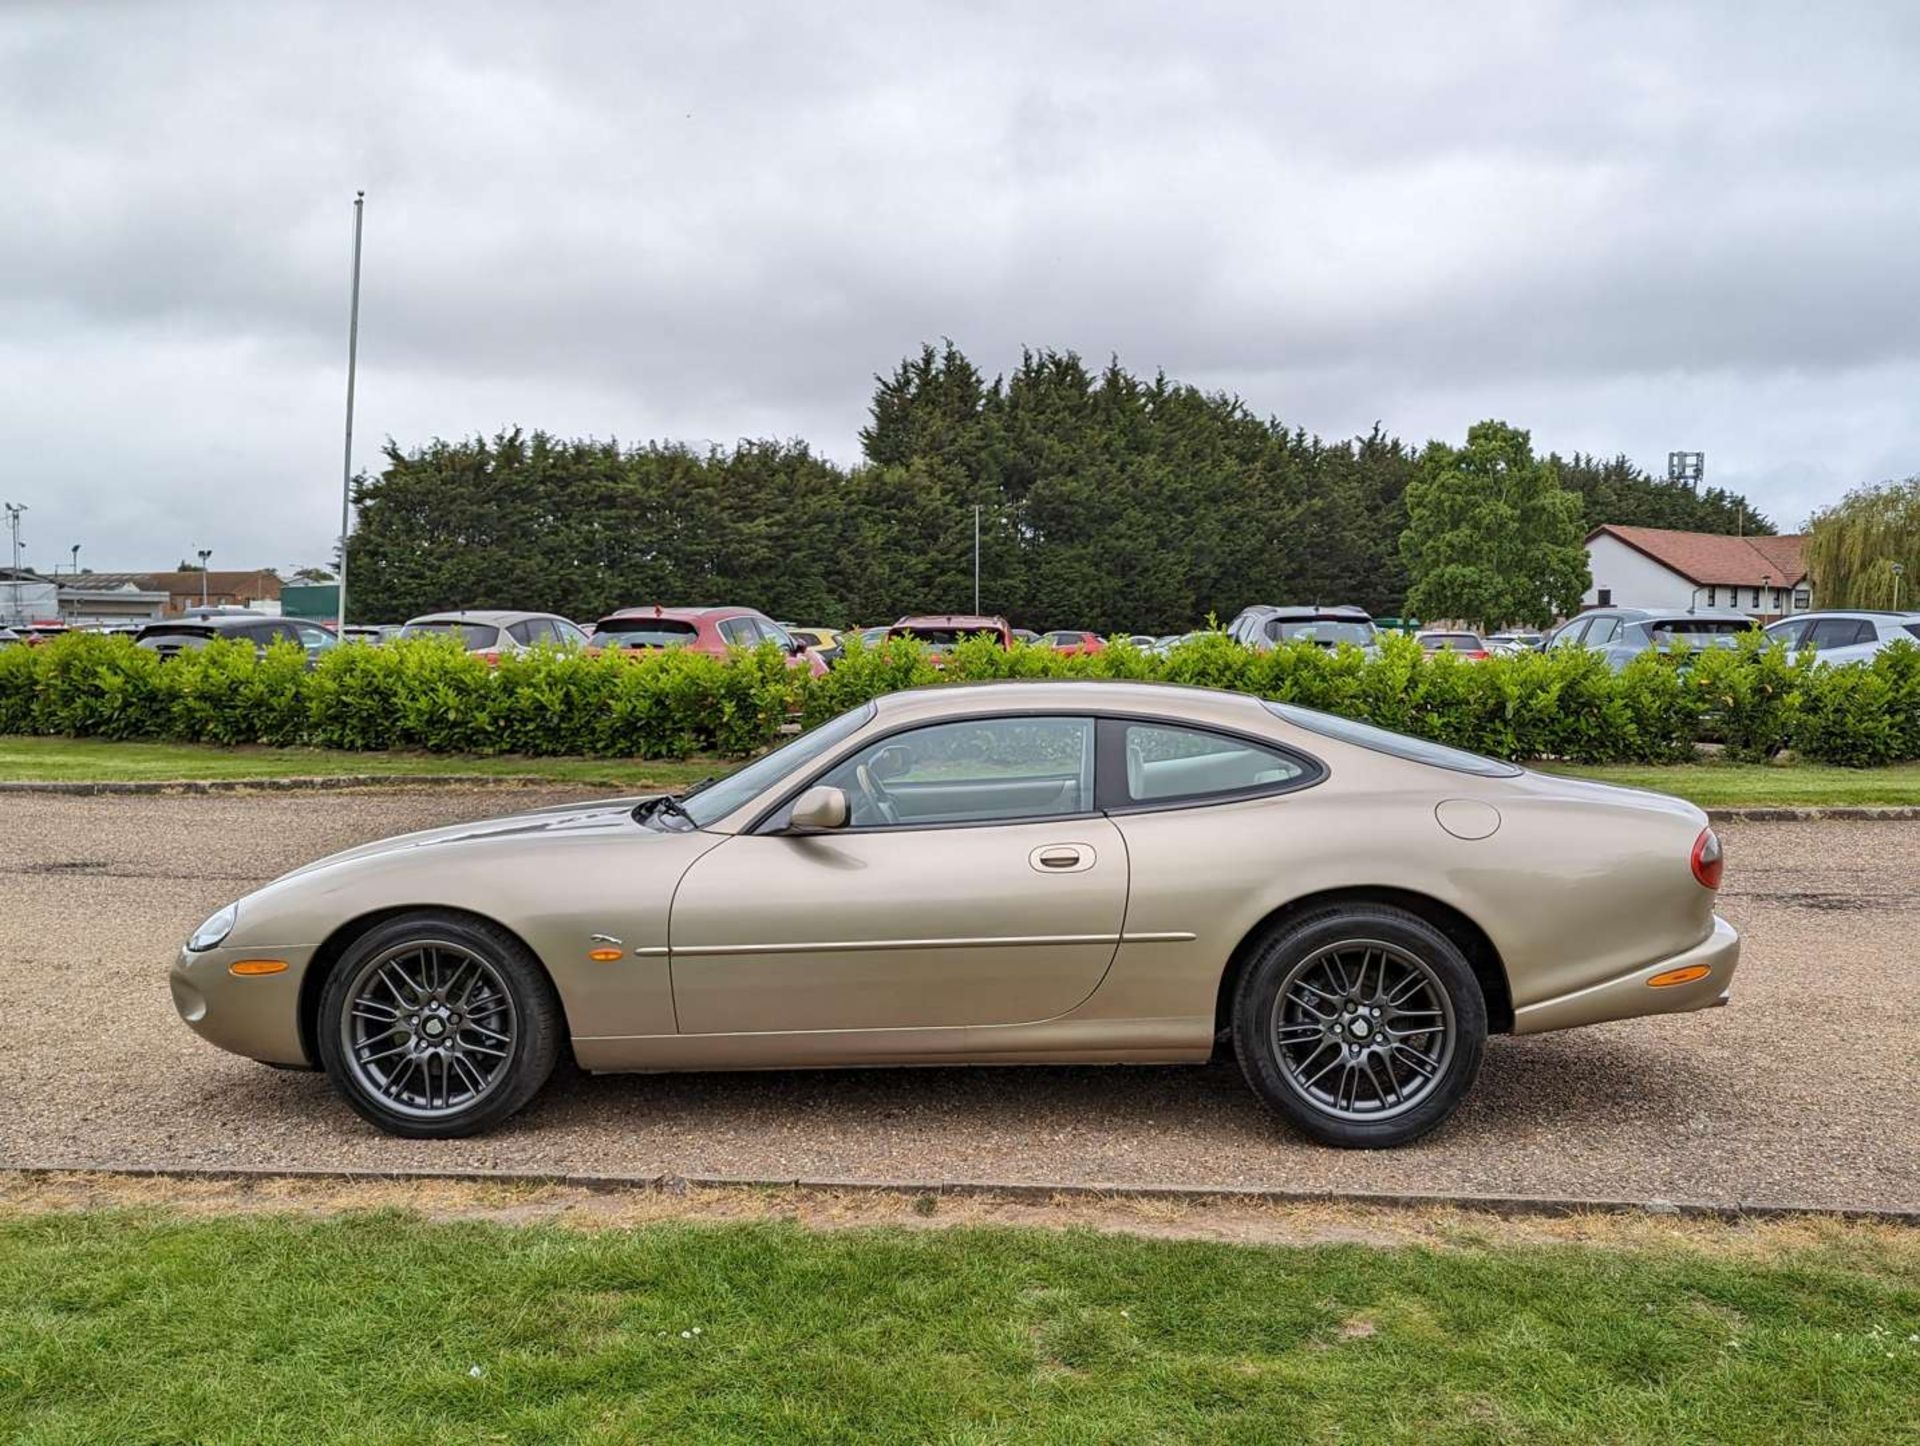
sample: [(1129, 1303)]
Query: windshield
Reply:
[(1454, 642), (1327, 632), (1396, 745), (473, 636), (645, 633), (736, 790)]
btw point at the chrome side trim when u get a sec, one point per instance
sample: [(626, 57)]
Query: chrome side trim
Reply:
[(863, 946), (868, 946)]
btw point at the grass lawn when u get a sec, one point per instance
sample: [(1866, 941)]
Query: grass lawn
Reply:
[(1711, 784), (94, 760), (1731, 785), (141, 1326)]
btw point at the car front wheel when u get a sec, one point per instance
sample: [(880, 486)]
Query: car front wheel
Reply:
[(1363, 1026), (438, 1025)]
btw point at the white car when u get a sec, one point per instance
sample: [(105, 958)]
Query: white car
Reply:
[(1846, 637)]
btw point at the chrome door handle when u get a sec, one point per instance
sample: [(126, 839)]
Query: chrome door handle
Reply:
[(1062, 858)]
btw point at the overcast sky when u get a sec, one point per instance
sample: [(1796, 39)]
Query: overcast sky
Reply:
[(1628, 228)]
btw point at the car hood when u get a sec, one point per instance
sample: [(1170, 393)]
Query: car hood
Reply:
[(570, 820)]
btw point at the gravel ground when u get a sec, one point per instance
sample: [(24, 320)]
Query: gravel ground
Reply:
[(1804, 1092)]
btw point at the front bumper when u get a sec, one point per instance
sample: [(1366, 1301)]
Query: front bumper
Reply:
[(1629, 996), (255, 1015)]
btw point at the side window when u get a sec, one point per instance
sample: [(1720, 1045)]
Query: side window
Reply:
[(566, 633), (1166, 762), (1838, 633), (522, 633), (979, 770), (738, 632), (1601, 630), (773, 633), (1569, 635), (1792, 634), (313, 639)]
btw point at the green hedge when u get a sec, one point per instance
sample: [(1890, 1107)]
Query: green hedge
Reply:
[(428, 694)]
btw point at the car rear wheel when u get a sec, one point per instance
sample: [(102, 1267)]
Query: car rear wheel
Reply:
[(1363, 1026), (438, 1025)]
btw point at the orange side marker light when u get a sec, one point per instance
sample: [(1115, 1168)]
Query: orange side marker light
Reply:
[(605, 956), (247, 968), (1684, 975)]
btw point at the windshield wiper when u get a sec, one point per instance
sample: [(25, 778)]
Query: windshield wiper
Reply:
[(665, 803), (707, 782)]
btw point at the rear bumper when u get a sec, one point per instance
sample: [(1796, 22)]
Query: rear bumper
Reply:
[(1629, 995)]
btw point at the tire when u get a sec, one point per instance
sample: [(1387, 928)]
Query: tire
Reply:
[(437, 1025), (1377, 1063)]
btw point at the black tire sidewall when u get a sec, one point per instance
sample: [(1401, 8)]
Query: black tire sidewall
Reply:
[(536, 1047), (1260, 982)]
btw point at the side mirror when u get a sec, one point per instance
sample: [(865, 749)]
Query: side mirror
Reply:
[(819, 810)]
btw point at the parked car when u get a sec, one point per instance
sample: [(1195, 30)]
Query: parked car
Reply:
[(1143, 641), (1048, 872), (1846, 637), (1266, 626), (1467, 645), (1023, 635), (178, 635), (371, 632), (1623, 634), (703, 630), (942, 632), (38, 634), (819, 639), (10, 639), (1515, 642), (491, 632), (1162, 646), (1071, 642)]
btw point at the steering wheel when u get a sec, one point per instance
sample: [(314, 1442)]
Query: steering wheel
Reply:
[(875, 793)]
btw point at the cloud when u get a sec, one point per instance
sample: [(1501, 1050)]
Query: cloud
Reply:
[(1630, 228)]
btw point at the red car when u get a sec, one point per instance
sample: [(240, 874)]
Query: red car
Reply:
[(705, 630), (941, 632), (35, 634), (1068, 641)]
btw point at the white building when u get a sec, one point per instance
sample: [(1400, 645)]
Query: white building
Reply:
[(1651, 567)]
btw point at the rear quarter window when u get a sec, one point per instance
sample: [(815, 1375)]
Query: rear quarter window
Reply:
[(1394, 745)]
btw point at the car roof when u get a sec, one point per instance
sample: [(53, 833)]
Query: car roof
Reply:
[(1294, 610), (217, 622), (681, 615), (952, 620), (494, 617), (1870, 613), (1175, 700)]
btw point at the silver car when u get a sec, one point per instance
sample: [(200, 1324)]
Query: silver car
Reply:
[(1846, 637), (1623, 634), (1265, 625), (491, 632)]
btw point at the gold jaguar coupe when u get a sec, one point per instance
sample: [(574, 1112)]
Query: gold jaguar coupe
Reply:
[(1014, 873)]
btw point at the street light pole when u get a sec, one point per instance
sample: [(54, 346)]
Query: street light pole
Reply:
[(976, 559), (346, 463), (1899, 571), (204, 554)]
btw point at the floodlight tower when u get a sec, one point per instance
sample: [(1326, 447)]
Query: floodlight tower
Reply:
[(1686, 469), (14, 509)]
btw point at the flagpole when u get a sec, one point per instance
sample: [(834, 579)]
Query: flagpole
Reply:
[(346, 463)]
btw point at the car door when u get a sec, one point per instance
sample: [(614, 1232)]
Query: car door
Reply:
[(975, 884)]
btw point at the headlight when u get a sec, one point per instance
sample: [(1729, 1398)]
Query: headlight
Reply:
[(215, 929)]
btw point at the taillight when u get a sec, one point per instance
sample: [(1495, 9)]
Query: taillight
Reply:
[(1706, 859)]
